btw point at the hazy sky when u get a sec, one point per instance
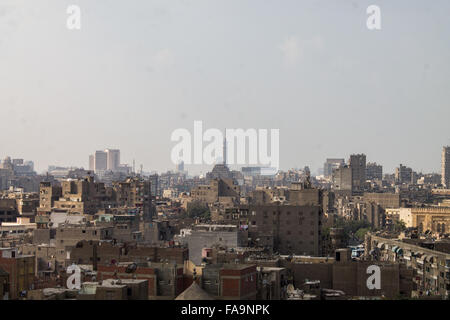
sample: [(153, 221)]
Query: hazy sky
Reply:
[(139, 69)]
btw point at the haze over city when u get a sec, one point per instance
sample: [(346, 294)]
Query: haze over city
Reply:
[(137, 71)]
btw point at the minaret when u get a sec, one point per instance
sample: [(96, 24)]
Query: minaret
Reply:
[(225, 150)]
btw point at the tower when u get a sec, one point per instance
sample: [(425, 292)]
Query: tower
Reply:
[(445, 166), (357, 164), (100, 161), (113, 159), (225, 149)]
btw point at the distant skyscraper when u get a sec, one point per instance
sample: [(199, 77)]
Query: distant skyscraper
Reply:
[(374, 171), (113, 159), (100, 161), (358, 165), (446, 166), (154, 180), (403, 174)]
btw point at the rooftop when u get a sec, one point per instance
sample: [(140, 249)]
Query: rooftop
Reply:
[(194, 292)]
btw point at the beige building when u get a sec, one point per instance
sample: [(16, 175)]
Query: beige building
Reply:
[(400, 214), (435, 219), (217, 191)]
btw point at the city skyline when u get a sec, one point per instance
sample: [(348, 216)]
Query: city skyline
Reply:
[(206, 168)]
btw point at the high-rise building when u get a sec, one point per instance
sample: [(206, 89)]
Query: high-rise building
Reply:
[(113, 159), (403, 174), (374, 171), (100, 161), (446, 167), (332, 164), (357, 163), (342, 180), (154, 182)]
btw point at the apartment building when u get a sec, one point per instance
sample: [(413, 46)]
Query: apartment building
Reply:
[(431, 268)]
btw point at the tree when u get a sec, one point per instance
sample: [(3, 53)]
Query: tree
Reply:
[(399, 225), (197, 209), (350, 229), (360, 234)]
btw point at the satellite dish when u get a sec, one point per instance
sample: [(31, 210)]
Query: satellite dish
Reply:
[(131, 268)]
